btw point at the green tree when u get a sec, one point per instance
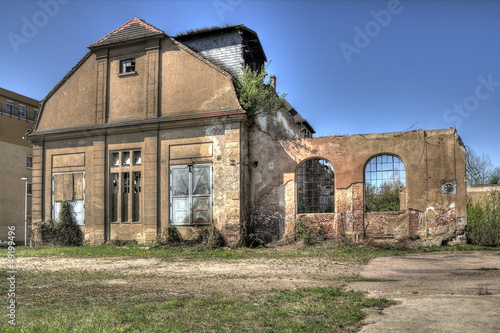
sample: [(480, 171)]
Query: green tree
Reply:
[(495, 176), (255, 96), (383, 199)]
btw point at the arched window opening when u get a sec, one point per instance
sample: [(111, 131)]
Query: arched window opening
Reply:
[(385, 181), (315, 187)]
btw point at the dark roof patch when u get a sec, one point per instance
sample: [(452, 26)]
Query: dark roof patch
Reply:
[(133, 29), (205, 29)]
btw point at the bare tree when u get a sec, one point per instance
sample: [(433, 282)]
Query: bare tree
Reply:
[(478, 168)]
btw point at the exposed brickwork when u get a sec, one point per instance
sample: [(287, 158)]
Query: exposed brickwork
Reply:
[(414, 221), (267, 217), (386, 224), (328, 221)]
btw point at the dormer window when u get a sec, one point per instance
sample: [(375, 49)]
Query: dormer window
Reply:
[(127, 66)]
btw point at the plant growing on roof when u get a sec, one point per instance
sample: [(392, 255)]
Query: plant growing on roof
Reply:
[(256, 96)]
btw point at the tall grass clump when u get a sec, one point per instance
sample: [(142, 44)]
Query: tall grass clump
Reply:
[(483, 221)]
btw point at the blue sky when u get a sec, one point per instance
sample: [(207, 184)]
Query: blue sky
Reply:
[(349, 67)]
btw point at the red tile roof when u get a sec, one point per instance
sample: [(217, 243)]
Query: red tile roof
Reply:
[(133, 29)]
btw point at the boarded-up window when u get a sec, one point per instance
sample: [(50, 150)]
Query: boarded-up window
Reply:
[(70, 187), (191, 194)]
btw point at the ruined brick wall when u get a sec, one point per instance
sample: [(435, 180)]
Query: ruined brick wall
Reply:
[(433, 204)]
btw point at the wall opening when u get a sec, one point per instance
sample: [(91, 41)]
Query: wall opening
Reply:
[(385, 184), (315, 187)]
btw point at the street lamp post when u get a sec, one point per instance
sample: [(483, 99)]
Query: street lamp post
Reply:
[(25, 180)]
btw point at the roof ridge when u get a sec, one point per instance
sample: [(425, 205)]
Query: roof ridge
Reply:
[(154, 30)]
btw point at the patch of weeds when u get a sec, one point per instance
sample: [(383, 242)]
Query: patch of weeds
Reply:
[(208, 236), (169, 235), (309, 234)]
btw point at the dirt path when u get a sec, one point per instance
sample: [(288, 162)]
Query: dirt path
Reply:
[(192, 277), (436, 292)]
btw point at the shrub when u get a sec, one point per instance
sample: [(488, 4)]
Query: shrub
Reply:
[(169, 235), (211, 237), (254, 240), (65, 231), (483, 221), (309, 234)]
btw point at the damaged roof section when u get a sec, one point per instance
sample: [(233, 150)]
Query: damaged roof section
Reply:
[(215, 43)]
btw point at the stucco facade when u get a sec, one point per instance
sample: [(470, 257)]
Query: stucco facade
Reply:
[(17, 117), (146, 132)]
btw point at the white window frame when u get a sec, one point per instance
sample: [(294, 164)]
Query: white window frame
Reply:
[(23, 113), (9, 108), (127, 66), (29, 162)]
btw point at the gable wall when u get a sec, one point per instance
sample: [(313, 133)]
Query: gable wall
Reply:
[(190, 84), (73, 104)]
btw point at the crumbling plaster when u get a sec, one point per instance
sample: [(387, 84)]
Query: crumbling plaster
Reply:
[(430, 157)]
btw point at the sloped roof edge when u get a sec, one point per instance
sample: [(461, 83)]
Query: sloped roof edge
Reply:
[(131, 30), (60, 83)]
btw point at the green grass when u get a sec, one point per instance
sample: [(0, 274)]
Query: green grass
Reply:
[(360, 254), (74, 300), (301, 310)]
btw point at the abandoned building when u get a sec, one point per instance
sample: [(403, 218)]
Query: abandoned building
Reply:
[(147, 131)]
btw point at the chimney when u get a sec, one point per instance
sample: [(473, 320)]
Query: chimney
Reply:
[(272, 82)]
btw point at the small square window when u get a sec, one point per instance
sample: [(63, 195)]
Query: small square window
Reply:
[(127, 66)]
